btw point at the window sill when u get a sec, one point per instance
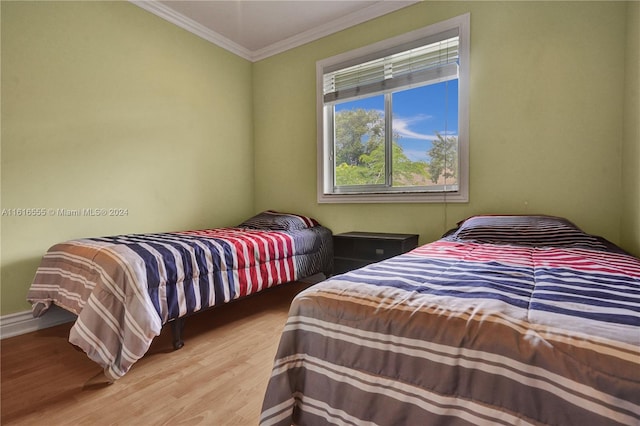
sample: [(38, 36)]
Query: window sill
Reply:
[(393, 198)]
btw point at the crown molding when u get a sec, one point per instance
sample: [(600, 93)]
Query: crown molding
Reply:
[(347, 21), (374, 11), (193, 27)]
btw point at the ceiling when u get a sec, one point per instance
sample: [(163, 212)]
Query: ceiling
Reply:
[(256, 29)]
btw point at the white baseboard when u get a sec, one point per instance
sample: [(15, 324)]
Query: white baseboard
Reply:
[(23, 322)]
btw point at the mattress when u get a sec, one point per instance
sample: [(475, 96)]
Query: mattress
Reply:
[(507, 320), (125, 288)]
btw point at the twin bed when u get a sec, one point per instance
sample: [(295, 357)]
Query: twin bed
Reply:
[(507, 320), (125, 288)]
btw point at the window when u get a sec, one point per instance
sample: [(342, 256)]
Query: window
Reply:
[(393, 119)]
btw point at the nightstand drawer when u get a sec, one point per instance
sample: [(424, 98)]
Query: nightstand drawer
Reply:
[(356, 249)]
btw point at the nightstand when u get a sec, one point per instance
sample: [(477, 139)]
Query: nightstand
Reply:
[(353, 250)]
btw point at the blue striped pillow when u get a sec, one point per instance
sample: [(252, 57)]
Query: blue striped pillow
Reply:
[(272, 220), (534, 231)]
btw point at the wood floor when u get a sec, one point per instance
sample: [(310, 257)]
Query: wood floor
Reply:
[(217, 378)]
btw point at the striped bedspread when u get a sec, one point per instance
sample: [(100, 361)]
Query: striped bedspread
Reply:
[(461, 332), (124, 288)]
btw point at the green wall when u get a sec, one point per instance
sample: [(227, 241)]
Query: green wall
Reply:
[(546, 117), (105, 105), (630, 229)]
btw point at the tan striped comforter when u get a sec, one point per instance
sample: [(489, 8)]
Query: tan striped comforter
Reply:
[(472, 334), (124, 288)]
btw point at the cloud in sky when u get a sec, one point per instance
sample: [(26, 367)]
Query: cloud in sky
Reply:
[(401, 126), (417, 134)]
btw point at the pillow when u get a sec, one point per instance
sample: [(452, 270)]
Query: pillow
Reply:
[(531, 231), (272, 220)]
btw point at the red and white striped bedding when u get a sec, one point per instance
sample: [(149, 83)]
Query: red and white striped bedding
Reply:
[(124, 288)]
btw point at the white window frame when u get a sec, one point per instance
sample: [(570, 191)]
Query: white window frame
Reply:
[(325, 133)]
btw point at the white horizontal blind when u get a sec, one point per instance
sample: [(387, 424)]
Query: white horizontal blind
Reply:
[(420, 62)]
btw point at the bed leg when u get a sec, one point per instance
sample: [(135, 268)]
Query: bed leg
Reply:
[(177, 326)]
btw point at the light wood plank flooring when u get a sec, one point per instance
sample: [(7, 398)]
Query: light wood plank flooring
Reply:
[(217, 378)]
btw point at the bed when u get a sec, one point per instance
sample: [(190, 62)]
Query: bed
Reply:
[(125, 288), (512, 320)]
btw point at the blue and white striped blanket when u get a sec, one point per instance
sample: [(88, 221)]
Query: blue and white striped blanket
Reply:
[(466, 331), (124, 288)]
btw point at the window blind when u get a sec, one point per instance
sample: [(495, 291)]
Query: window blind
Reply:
[(421, 62)]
